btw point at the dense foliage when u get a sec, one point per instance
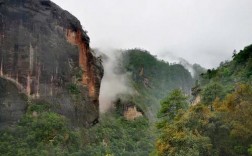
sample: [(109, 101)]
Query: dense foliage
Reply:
[(170, 106), (239, 70), (199, 131), (42, 132), (220, 124), (119, 137)]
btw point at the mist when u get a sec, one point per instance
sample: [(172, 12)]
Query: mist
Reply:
[(114, 82), (203, 32)]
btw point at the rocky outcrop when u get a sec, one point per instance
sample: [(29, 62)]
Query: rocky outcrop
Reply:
[(132, 113), (127, 108), (196, 97), (43, 51)]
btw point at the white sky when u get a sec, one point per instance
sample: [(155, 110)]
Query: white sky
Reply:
[(200, 31)]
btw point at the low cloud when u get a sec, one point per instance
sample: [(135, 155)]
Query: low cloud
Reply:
[(114, 81)]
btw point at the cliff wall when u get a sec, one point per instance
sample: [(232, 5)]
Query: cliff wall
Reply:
[(44, 52)]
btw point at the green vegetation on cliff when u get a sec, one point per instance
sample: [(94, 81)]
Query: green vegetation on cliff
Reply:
[(153, 79)]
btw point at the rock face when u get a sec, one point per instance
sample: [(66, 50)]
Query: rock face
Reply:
[(45, 53), (131, 113), (195, 91), (12, 104)]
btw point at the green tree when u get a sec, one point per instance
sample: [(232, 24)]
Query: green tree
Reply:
[(170, 105), (184, 135), (211, 92)]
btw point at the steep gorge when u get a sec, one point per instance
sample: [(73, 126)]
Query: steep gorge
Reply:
[(43, 51)]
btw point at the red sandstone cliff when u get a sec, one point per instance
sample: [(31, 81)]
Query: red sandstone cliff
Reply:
[(43, 50)]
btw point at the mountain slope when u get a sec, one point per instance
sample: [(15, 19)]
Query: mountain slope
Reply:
[(153, 79), (219, 123)]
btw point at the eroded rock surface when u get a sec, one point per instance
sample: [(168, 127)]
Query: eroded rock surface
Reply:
[(44, 52), (132, 113), (12, 103)]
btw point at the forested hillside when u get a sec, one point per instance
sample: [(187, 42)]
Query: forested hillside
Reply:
[(220, 122), (150, 80), (153, 79)]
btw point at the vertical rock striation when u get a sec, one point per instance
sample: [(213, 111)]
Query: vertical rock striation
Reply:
[(43, 51)]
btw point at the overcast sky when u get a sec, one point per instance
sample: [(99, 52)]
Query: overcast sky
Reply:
[(200, 31)]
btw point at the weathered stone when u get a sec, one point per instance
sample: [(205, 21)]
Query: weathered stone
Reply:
[(43, 49), (132, 113), (12, 104)]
